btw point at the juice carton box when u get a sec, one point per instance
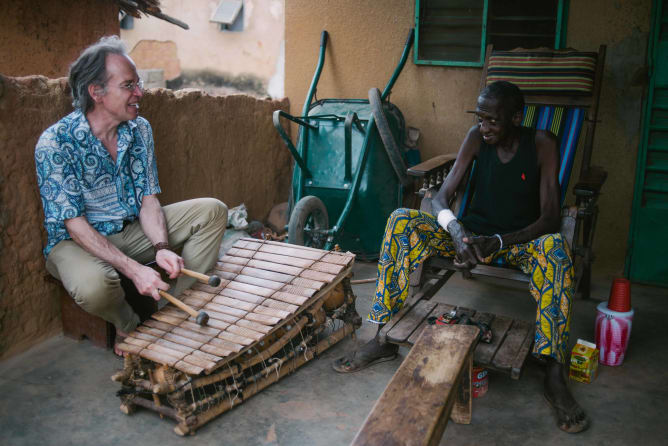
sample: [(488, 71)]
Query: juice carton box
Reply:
[(584, 362)]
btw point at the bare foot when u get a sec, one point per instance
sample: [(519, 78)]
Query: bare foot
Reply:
[(373, 352), (120, 335), (571, 417)]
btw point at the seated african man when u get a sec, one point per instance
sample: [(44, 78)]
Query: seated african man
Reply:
[(514, 216)]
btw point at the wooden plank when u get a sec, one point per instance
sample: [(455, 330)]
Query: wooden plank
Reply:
[(410, 321), (241, 295), (227, 318), (228, 345), (202, 296), (203, 330), (437, 311), (289, 298), (522, 353), (138, 342), (199, 362), (271, 284), (263, 319), (284, 260), (485, 352), (191, 334), (337, 259), (168, 319), (188, 368), (227, 336), (150, 331), (182, 340), (224, 309), (218, 351), (209, 289), (129, 348), (271, 242), (254, 325), (248, 243), (207, 356), (215, 323), (245, 332), (236, 260), (157, 324), (318, 275), (271, 303), (234, 303), (329, 268), (264, 274), (507, 352), (166, 350), (175, 312), (224, 274), (292, 251), (174, 346), (299, 291), (252, 289), (276, 267), (228, 267), (415, 406), (144, 336), (159, 357), (239, 252), (275, 312), (307, 283)]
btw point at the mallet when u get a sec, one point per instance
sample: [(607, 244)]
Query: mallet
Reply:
[(202, 318), (213, 281)]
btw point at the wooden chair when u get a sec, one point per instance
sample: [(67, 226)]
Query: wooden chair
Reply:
[(564, 101)]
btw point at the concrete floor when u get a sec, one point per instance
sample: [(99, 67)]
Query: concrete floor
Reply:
[(59, 393)]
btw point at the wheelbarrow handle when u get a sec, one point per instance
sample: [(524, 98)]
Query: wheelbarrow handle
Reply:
[(400, 65), (284, 136), (323, 38)]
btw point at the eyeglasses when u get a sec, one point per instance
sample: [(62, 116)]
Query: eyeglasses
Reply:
[(130, 86)]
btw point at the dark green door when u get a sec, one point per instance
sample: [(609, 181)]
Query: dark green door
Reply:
[(648, 254)]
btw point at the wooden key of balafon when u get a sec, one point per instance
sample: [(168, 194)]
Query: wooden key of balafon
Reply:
[(202, 318), (213, 281)]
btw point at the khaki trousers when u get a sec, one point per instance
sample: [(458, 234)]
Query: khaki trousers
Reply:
[(195, 228)]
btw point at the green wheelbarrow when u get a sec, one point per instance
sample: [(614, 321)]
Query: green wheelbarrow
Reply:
[(350, 166)]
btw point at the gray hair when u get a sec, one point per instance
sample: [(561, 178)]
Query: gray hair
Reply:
[(90, 68)]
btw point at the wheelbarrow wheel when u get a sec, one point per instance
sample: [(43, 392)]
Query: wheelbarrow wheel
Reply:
[(308, 222)]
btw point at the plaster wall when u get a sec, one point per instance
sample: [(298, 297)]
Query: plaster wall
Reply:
[(366, 42), (44, 37), (224, 147), (255, 50)]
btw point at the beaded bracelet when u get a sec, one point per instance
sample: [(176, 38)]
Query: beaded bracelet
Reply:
[(161, 245)]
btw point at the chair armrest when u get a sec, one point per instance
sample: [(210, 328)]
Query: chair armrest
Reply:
[(569, 216), (432, 171), (590, 182), (427, 167)]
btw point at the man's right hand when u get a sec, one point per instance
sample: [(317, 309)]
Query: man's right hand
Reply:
[(466, 257), (148, 282)]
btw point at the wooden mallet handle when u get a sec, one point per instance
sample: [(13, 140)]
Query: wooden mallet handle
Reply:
[(202, 318), (213, 281)]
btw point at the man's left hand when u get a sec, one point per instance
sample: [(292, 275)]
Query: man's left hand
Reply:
[(171, 262), (483, 245)]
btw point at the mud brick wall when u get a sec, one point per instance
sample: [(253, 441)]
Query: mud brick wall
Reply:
[(224, 147)]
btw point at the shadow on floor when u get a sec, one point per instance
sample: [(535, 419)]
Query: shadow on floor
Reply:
[(59, 393)]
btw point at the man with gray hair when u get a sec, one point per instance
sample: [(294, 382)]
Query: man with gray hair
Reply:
[(98, 182)]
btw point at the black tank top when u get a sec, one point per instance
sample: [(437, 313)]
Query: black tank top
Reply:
[(507, 196)]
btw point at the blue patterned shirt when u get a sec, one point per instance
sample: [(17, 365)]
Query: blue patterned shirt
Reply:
[(77, 176)]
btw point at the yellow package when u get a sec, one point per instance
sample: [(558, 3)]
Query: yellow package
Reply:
[(584, 362)]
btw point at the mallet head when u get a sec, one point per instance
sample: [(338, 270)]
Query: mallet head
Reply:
[(202, 318), (214, 281)]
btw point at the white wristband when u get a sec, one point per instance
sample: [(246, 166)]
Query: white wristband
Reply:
[(445, 217), (500, 241)]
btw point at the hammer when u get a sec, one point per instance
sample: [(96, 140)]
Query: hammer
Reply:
[(213, 281), (202, 318)]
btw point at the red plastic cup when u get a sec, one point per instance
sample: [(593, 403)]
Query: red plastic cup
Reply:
[(620, 296)]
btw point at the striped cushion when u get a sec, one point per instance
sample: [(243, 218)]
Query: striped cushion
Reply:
[(548, 72), (566, 124)]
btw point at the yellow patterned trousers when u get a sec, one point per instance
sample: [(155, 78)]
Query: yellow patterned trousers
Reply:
[(412, 236)]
